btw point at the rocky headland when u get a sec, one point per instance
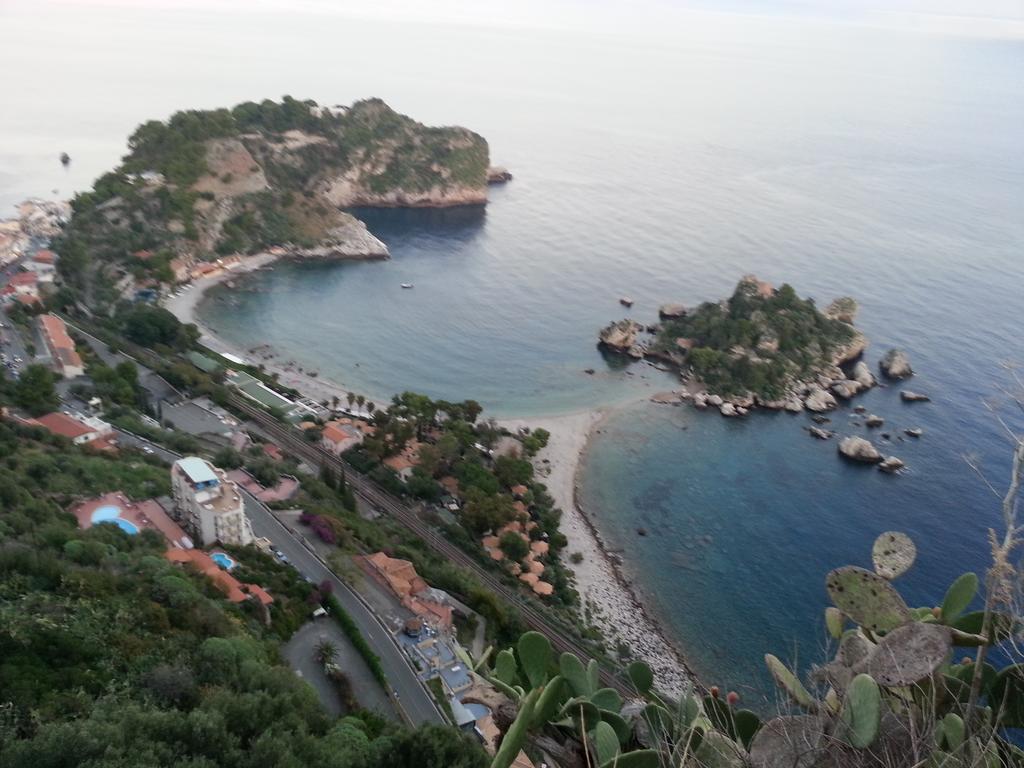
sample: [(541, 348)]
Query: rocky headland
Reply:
[(258, 178)]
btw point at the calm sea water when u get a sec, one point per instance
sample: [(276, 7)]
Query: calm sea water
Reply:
[(662, 160)]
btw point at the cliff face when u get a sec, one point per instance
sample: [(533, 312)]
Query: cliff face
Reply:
[(211, 183)]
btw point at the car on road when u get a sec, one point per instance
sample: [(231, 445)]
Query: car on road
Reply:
[(147, 449)]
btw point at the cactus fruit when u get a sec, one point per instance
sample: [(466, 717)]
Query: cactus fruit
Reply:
[(893, 554), (535, 657), (959, 595), (790, 683), (713, 690), (867, 598), (641, 676), (793, 742), (909, 654), (861, 712), (732, 698)]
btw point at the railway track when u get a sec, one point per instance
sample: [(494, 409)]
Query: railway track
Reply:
[(401, 512)]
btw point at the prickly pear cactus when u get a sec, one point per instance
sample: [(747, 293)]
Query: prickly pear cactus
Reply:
[(790, 683), (893, 554), (867, 598), (910, 654), (861, 712)]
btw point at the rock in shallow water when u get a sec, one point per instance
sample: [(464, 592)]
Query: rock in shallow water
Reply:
[(860, 450), (896, 365), (913, 397)]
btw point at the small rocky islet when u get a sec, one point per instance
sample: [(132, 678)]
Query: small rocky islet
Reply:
[(766, 347)]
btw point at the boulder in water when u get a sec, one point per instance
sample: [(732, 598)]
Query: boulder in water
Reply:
[(895, 364), (860, 450)]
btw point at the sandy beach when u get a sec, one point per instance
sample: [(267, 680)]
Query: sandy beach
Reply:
[(289, 373), (613, 604)]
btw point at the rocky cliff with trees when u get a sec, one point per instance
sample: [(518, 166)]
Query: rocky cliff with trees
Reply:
[(210, 183)]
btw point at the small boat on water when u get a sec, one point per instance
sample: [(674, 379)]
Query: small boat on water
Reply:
[(626, 301), (65, 159), (407, 285)]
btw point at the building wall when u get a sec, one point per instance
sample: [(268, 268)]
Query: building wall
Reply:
[(209, 517)]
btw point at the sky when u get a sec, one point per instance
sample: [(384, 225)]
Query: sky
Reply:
[(984, 18)]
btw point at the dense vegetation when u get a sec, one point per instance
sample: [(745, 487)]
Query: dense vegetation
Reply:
[(111, 656), (223, 181), (755, 343)]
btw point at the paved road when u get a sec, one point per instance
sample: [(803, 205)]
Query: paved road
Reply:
[(417, 702), (300, 651)]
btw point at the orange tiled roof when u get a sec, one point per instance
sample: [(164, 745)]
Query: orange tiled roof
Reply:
[(64, 425)]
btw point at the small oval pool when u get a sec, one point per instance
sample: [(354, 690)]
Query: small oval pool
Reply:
[(223, 559)]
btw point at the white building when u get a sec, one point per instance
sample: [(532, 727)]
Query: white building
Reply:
[(209, 503)]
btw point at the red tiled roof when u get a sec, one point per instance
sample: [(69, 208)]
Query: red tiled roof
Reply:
[(44, 257), (62, 424), (24, 278)]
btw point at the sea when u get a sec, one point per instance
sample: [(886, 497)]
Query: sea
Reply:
[(659, 151)]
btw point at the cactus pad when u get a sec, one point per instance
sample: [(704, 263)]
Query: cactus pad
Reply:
[(867, 598), (893, 554), (861, 712), (910, 654), (535, 657), (641, 676), (790, 683), (575, 674), (959, 595), (794, 742)]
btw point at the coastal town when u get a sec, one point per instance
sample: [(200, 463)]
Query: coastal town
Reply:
[(218, 552)]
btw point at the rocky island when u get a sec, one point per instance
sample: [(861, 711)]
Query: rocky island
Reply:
[(763, 346), (208, 185)]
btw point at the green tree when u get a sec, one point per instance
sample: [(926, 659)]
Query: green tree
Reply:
[(35, 390), (514, 546)]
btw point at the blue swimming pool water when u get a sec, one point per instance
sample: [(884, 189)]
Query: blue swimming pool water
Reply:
[(112, 514), (224, 560)]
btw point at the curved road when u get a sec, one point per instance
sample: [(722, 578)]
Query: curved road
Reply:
[(415, 702), (413, 698)]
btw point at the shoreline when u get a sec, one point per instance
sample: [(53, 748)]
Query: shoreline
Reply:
[(614, 604), (289, 373)]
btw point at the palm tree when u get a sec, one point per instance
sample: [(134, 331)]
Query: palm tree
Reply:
[(360, 400), (351, 398), (370, 408), (325, 652), (334, 402)]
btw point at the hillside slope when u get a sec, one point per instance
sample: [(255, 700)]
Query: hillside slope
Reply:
[(210, 183)]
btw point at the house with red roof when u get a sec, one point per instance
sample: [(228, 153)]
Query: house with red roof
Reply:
[(65, 358)]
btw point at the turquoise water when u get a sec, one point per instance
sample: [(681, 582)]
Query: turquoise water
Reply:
[(223, 559), (660, 156), (111, 514)]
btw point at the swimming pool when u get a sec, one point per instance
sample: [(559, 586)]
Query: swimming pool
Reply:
[(112, 514), (223, 559)]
